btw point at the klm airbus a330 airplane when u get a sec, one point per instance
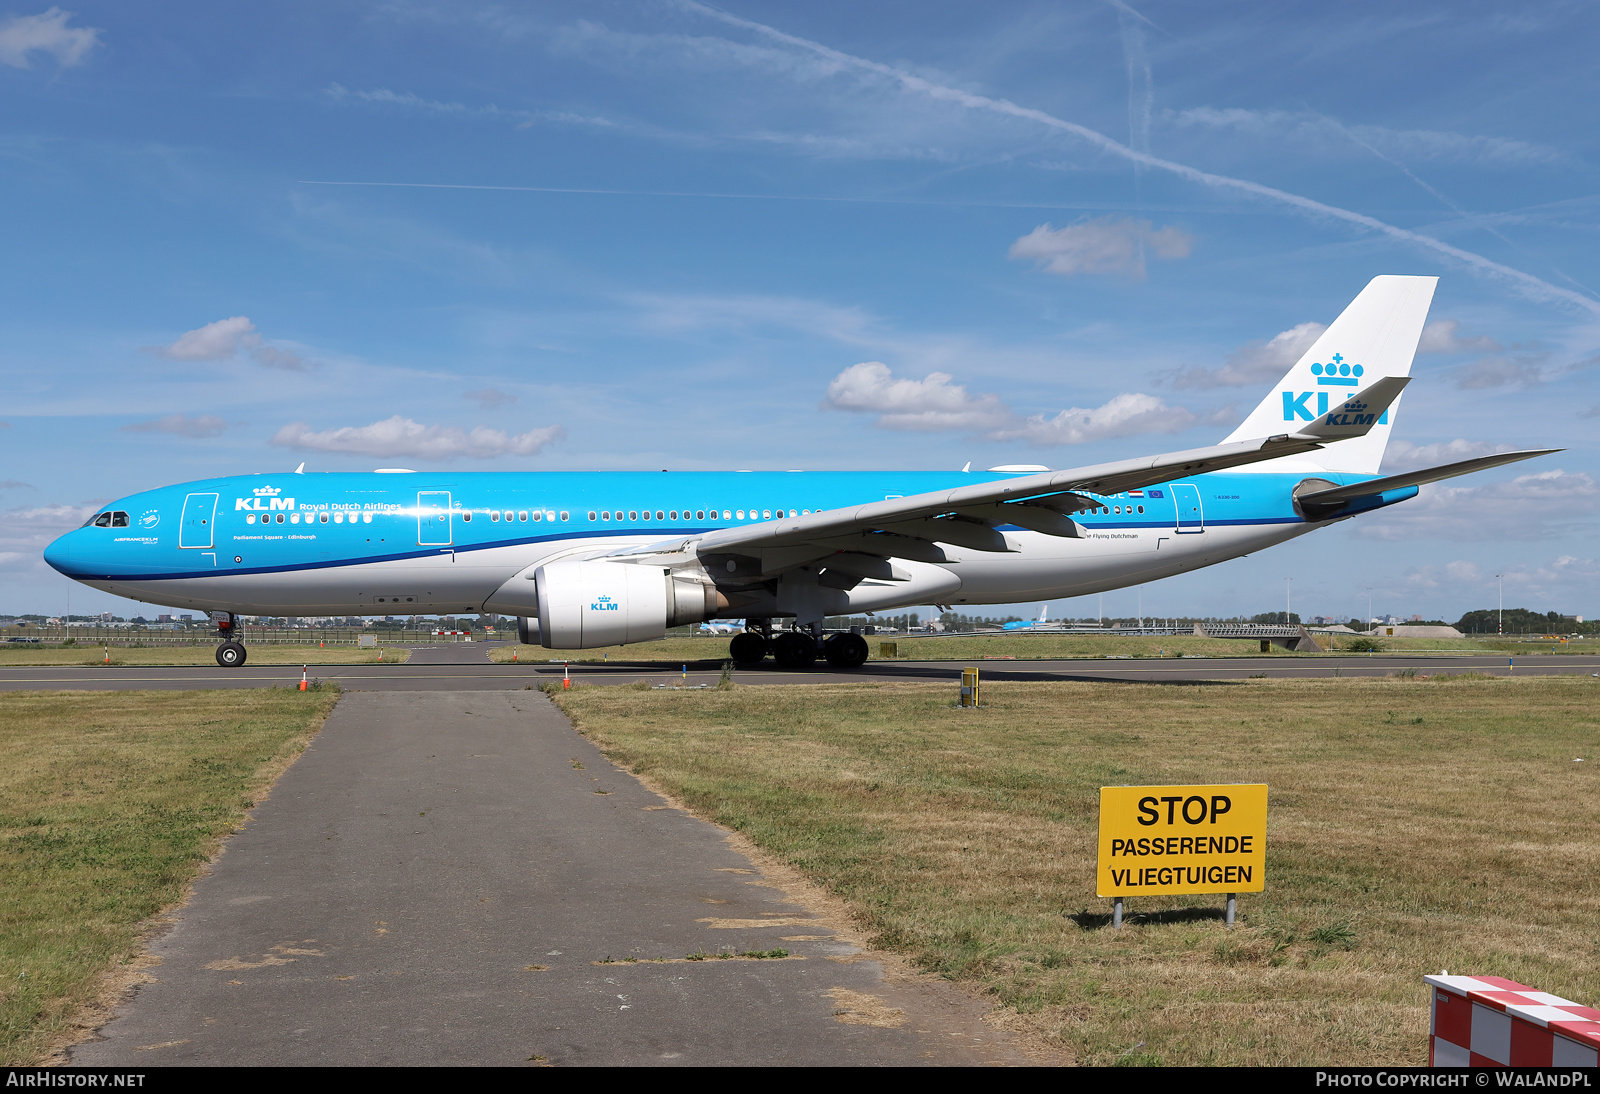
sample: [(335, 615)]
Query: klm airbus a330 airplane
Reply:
[(597, 559)]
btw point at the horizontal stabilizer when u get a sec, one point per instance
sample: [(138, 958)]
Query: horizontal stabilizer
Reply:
[(1356, 416), (1337, 494)]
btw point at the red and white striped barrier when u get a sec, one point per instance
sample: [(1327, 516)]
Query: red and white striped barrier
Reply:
[(1489, 1021)]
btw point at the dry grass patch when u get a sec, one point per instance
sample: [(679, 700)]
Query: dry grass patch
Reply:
[(109, 805), (1415, 825), (85, 654)]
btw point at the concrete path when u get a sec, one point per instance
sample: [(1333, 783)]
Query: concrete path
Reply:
[(442, 878), (472, 674)]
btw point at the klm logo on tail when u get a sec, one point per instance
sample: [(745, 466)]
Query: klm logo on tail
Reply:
[(1336, 373)]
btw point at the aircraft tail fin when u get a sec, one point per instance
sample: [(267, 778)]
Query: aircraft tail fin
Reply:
[(1375, 337)]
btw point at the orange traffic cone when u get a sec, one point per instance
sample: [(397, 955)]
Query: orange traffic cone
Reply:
[(566, 679), (513, 657), (108, 655), (304, 684)]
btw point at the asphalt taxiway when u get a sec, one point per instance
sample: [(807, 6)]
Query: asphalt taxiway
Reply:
[(467, 668), (457, 878)]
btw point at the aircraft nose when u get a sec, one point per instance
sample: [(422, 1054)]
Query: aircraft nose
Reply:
[(66, 554)]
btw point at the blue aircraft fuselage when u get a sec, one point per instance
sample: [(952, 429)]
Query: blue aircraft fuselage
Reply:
[(386, 543)]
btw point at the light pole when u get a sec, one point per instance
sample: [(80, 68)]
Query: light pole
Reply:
[(1369, 606), (1500, 580), (1288, 602)]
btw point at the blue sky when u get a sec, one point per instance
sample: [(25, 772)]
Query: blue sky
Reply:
[(829, 236)]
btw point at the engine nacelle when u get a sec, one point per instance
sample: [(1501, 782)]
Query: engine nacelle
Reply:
[(584, 605), (527, 631)]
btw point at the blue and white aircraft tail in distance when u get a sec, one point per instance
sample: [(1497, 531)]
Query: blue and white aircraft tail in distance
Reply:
[(589, 559)]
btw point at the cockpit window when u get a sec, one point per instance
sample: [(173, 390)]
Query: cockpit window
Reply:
[(119, 520), (103, 520)]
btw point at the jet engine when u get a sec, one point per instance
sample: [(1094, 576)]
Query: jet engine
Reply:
[(583, 605)]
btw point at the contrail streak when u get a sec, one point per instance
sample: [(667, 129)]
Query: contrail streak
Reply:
[(1528, 283), (1117, 206)]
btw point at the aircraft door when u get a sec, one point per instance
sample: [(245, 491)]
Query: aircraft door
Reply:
[(1186, 496), (199, 518), (433, 518)]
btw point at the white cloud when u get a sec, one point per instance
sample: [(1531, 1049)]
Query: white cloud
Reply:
[(1558, 582), (1255, 362), (398, 436), (47, 32), (1442, 336), (1404, 454), (212, 342), (488, 398), (1529, 506), (1103, 245), (1524, 370), (227, 338), (1125, 415), (932, 403), (26, 532), (180, 425)]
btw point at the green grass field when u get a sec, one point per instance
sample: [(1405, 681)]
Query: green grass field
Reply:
[(21, 655), (109, 804), (1415, 824)]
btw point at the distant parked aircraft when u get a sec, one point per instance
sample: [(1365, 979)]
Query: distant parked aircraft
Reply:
[(1026, 625)]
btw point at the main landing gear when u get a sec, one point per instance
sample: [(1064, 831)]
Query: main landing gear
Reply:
[(797, 649), (231, 654)]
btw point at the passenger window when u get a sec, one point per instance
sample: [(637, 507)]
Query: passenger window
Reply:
[(766, 514), (280, 518), (565, 515), (647, 514), (522, 516), (538, 515), (1141, 508), (726, 515), (592, 514), (322, 518), (494, 515), (633, 514), (699, 514), (605, 515), (103, 520), (739, 513)]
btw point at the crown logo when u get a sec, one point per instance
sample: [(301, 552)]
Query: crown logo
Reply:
[(1354, 407), (267, 491)]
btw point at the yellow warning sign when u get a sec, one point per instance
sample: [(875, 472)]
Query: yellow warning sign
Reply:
[(1183, 839)]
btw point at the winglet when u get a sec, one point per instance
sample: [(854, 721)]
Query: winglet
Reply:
[(301, 470)]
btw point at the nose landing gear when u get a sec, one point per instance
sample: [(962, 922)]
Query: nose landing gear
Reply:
[(231, 654)]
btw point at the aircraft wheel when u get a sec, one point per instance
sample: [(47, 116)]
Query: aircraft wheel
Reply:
[(794, 650), (230, 655), (845, 651), (747, 648)]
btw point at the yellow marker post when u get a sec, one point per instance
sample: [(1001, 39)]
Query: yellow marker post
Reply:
[(1177, 840), (969, 687)]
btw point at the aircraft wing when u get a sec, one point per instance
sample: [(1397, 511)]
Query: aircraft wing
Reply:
[(1340, 494), (912, 527)]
